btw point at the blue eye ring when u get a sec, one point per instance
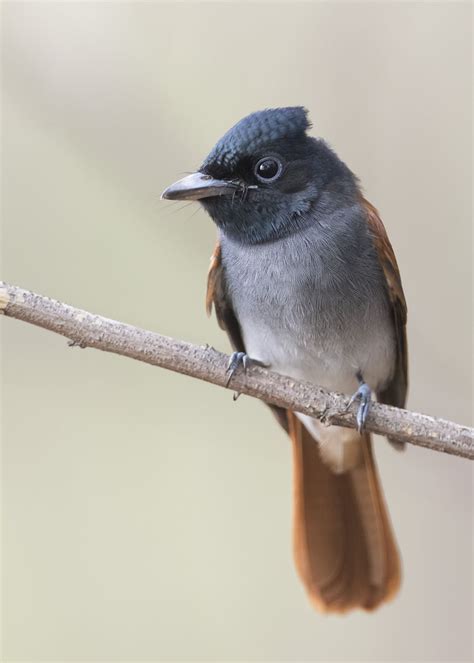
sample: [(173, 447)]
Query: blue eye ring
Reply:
[(268, 169)]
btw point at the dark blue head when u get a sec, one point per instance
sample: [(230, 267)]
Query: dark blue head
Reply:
[(264, 179)]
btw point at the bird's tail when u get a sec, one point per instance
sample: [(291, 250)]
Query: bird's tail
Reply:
[(344, 547)]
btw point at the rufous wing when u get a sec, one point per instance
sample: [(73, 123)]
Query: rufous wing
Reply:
[(395, 392)]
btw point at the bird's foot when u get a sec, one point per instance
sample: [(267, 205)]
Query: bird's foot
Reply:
[(364, 395), (238, 359)]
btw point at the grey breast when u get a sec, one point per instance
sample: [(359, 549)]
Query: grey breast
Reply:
[(313, 305)]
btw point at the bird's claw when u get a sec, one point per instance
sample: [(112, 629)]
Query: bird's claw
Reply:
[(236, 359), (364, 394), (240, 359)]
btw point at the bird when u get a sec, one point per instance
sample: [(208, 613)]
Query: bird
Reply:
[(304, 281)]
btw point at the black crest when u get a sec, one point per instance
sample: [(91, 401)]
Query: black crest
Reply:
[(254, 131)]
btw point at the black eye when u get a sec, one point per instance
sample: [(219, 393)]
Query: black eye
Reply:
[(268, 169)]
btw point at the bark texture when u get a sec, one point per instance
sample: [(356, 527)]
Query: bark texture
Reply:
[(206, 363)]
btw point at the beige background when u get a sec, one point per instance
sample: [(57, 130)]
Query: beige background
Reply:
[(146, 516)]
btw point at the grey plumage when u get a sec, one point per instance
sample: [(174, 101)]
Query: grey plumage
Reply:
[(313, 306)]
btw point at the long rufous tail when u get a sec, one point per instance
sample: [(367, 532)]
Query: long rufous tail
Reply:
[(344, 547)]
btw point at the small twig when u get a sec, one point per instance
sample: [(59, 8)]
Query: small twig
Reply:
[(87, 330)]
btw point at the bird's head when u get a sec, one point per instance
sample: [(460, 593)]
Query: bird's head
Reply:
[(264, 177)]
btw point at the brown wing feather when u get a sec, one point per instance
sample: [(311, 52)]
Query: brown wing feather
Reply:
[(395, 392), (216, 296)]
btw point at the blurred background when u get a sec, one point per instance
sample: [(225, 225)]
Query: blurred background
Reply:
[(145, 515)]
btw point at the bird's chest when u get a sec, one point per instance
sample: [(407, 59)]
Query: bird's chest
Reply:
[(308, 313)]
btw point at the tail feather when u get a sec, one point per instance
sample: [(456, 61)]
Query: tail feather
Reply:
[(344, 547)]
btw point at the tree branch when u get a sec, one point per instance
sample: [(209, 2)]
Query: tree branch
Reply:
[(205, 363)]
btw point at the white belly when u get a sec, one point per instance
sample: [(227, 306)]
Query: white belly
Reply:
[(325, 365), (332, 362)]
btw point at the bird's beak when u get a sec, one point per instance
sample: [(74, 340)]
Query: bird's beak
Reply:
[(197, 186)]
